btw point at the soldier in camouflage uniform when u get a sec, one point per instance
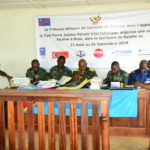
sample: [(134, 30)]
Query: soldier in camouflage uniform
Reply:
[(116, 74), (36, 73), (83, 72), (60, 70)]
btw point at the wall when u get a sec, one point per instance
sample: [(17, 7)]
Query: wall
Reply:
[(17, 30)]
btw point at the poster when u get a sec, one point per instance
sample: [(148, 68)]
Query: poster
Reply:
[(97, 38)]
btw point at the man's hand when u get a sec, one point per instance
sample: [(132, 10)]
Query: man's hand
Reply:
[(34, 82), (77, 76), (137, 83), (104, 81), (47, 78), (9, 77), (143, 85)]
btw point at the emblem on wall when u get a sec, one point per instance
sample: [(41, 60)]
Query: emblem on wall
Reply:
[(95, 20), (80, 54)]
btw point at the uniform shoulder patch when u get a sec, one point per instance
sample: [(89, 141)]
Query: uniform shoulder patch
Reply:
[(91, 69), (76, 70)]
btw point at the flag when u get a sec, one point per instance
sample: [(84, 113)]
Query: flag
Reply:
[(44, 21), (25, 105)]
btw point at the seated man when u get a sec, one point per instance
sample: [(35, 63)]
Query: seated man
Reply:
[(2, 73), (60, 70), (116, 74), (83, 72), (140, 74), (36, 73)]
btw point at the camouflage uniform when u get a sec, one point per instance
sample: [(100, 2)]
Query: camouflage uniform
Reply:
[(121, 76), (41, 74), (56, 74), (89, 73)]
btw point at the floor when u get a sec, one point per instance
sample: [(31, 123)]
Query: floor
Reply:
[(116, 143)]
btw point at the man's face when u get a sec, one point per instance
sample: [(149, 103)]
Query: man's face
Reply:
[(143, 69), (35, 67), (61, 63), (115, 69), (82, 66)]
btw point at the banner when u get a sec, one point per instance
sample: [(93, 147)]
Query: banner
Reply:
[(98, 38)]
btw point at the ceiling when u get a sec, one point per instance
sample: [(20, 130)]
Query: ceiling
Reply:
[(47, 3)]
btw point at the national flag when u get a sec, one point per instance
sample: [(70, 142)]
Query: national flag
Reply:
[(25, 105), (44, 21)]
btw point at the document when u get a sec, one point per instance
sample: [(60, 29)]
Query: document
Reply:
[(47, 84), (19, 82), (64, 80)]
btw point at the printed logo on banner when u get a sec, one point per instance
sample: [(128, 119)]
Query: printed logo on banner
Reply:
[(98, 53), (122, 52), (55, 55), (42, 51), (80, 53), (95, 20), (44, 22), (144, 52)]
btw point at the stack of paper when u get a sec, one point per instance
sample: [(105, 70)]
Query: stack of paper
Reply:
[(47, 84), (148, 80), (115, 84), (64, 80), (95, 83), (19, 82)]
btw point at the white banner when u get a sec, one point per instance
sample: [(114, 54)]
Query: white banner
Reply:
[(98, 38)]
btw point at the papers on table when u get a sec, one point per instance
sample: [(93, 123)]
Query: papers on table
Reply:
[(53, 83), (95, 83), (19, 82), (148, 80), (25, 83), (47, 84), (115, 85), (129, 86), (64, 80)]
